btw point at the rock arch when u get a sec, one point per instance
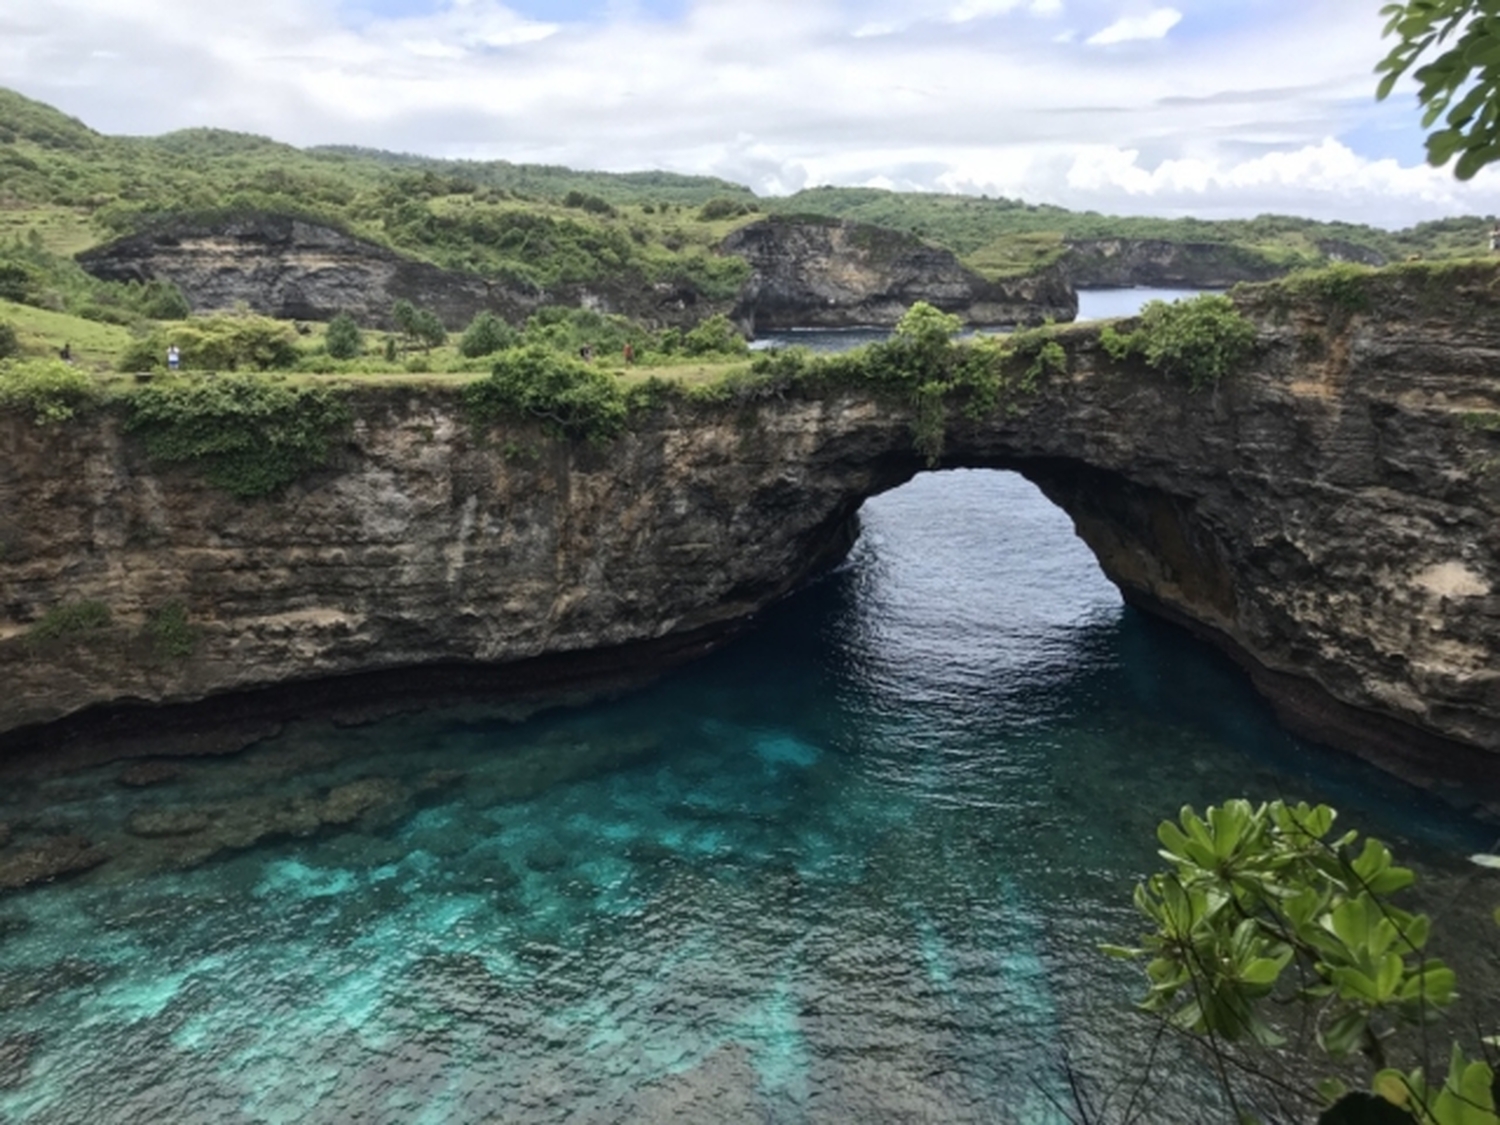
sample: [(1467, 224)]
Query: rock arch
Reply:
[(1328, 516)]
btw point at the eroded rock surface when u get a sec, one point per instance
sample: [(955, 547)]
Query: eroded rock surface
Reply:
[(1328, 516), (1109, 263), (833, 273), (290, 268)]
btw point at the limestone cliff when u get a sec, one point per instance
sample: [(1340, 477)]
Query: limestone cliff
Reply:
[(298, 270), (1330, 515), (812, 272), (1107, 263)]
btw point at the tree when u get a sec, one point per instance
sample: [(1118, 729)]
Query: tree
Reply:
[(420, 326), (430, 330), (1461, 40), (344, 340), (486, 335), (1263, 923)]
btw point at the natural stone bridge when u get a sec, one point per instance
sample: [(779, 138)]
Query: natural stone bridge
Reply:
[(1328, 516)]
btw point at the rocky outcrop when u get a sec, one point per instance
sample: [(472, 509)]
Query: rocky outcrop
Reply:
[(813, 272), (1110, 263), (1329, 515), (290, 268), (298, 270)]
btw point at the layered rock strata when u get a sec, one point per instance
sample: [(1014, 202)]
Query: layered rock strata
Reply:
[(298, 270), (832, 273), (1111, 263), (1330, 516)]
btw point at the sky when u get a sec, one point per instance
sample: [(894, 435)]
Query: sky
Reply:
[(1215, 108)]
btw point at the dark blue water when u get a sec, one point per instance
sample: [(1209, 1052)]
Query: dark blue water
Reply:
[(851, 868)]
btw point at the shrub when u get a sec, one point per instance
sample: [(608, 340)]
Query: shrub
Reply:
[(70, 619), (722, 208), (159, 300), (1200, 340), (52, 390), (486, 335), (170, 634), (715, 336), (586, 202), (573, 398), (420, 326), (217, 343), (344, 340), (249, 436), (10, 343)]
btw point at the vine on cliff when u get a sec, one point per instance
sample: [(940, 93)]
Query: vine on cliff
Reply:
[(249, 435)]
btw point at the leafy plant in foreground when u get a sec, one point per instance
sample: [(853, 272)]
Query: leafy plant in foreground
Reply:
[(1261, 910)]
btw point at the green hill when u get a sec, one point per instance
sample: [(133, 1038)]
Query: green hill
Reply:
[(65, 187)]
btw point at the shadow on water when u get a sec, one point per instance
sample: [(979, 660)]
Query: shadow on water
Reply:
[(852, 867)]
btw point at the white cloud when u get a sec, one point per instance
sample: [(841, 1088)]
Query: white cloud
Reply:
[(1153, 25), (967, 10), (778, 94)]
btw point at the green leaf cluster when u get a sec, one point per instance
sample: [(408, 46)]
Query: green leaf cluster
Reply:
[(1459, 85), (171, 635), (10, 343), (248, 435), (572, 398), (1260, 907), (70, 619), (53, 391), (1200, 340)]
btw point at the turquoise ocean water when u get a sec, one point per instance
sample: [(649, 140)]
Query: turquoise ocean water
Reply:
[(851, 868)]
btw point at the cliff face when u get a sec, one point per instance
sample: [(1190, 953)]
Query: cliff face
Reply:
[(1106, 263), (828, 273), (1330, 516), (297, 270)]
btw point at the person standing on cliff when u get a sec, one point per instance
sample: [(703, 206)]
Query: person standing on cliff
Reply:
[(174, 358)]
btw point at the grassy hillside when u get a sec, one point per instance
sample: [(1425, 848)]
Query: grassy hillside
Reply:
[(1005, 237), (65, 187)]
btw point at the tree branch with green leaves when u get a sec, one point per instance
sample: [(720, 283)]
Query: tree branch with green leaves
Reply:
[(1262, 910)]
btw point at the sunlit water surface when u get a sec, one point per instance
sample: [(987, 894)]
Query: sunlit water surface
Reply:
[(852, 868)]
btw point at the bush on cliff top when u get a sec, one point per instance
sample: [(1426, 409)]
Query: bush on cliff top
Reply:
[(217, 343), (1200, 340), (572, 398), (250, 436), (53, 391)]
